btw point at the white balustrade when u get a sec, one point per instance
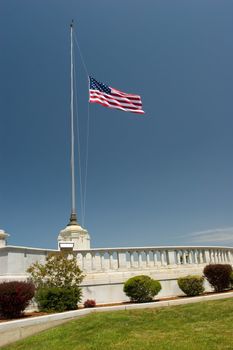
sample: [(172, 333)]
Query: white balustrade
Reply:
[(145, 258)]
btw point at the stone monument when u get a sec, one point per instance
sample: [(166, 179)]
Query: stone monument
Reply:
[(3, 238), (73, 236)]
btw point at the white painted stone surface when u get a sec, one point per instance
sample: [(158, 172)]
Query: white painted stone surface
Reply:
[(75, 234), (3, 238), (107, 269)]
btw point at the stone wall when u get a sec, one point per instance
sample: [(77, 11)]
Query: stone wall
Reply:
[(106, 270)]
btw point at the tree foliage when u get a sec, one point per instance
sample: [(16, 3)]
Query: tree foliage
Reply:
[(60, 270)]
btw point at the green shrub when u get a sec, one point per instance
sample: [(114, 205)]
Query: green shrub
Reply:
[(141, 289), (218, 275), (191, 285), (57, 282), (15, 297), (58, 299), (60, 270)]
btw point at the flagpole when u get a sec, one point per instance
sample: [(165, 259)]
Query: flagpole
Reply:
[(73, 216)]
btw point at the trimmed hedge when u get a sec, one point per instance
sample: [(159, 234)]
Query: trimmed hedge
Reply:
[(218, 275), (58, 299), (141, 288), (191, 285), (15, 297)]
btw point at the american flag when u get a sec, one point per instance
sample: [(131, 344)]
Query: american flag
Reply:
[(110, 97)]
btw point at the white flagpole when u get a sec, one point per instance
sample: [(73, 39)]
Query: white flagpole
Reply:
[(73, 217)]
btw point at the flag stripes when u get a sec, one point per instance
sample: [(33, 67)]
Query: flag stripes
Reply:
[(112, 98)]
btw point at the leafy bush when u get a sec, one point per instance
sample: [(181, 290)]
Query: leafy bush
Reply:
[(15, 297), (89, 303), (59, 270), (141, 288), (218, 275), (57, 282), (58, 299), (191, 285)]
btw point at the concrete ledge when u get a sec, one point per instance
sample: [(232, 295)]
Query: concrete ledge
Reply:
[(12, 331)]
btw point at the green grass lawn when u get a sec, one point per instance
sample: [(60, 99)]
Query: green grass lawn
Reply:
[(207, 325)]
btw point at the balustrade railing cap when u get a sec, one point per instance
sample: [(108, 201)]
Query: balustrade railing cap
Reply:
[(153, 248)]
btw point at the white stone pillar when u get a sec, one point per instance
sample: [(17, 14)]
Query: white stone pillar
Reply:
[(3, 237), (75, 234), (155, 256), (184, 257), (139, 259), (201, 259), (162, 255), (110, 260), (147, 258), (122, 263), (171, 257), (131, 259)]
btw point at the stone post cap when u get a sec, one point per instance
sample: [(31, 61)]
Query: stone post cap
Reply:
[(3, 234), (72, 230)]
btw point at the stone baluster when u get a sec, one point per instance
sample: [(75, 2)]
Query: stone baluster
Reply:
[(207, 256), (93, 261), (230, 256), (139, 259), (155, 257), (147, 258), (171, 257), (195, 256), (101, 261), (183, 257), (122, 260), (201, 256), (220, 256), (215, 256), (223, 256), (131, 259), (118, 261), (187, 257), (83, 261), (177, 257), (111, 260), (79, 260), (162, 254), (210, 256)]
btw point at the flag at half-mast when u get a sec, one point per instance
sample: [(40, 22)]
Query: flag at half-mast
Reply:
[(112, 98)]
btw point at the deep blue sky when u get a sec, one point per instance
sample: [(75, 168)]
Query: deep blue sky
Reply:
[(165, 178)]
